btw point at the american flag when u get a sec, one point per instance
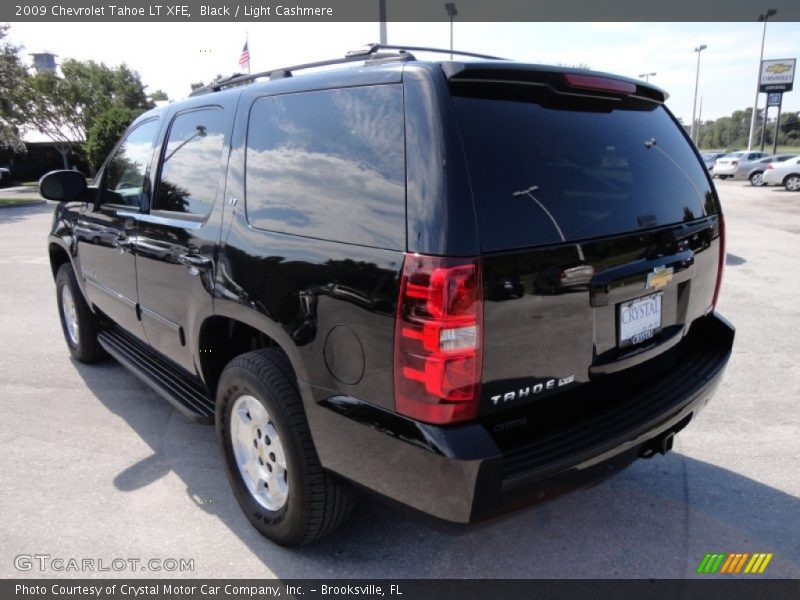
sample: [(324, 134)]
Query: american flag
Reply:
[(244, 59)]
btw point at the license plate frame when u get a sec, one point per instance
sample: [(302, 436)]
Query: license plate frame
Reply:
[(646, 327)]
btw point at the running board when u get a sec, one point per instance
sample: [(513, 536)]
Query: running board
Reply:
[(186, 395)]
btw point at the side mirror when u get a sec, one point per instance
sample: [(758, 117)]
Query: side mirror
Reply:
[(62, 186)]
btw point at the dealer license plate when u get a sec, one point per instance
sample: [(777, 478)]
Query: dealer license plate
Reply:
[(639, 320)]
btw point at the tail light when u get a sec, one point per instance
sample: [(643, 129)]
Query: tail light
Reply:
[(721, 264), (438, 339), (602, 84), (769, 166)]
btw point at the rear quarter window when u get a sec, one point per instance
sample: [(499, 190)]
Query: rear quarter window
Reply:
[(329, 164), (547, 174)]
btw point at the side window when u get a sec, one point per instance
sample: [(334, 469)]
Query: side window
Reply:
[(190, 167), (329, 164), (125, 173)]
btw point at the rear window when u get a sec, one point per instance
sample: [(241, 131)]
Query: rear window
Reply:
[(549, 174)]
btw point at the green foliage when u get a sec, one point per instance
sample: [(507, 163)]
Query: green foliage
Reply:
[(12, 75), (86, 90), (65, 107), (733, 131), (106, 130), (158, 96)]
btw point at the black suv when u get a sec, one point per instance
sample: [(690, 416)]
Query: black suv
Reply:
[(460, 285)]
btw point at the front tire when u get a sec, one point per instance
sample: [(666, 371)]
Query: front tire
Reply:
[(269, 455), (78, 322), (757, 179), (792, 183)]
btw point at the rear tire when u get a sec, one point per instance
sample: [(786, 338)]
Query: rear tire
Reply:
[(78, 322), (723, 177), (270, 458), (792, 183), (757, 179)]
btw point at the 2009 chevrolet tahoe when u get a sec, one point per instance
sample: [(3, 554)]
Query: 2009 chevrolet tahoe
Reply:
[(463, 286)]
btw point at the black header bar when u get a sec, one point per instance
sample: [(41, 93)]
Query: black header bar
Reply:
[(396, 10)]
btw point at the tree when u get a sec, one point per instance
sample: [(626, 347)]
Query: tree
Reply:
[(65, 108), (12, 74), (159, 96), (105, 131)]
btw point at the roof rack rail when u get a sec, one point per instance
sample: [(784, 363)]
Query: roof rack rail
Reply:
[(373, 48), (370, 53)]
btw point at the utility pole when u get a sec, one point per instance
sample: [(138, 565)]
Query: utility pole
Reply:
[(647, 76), (450, 7), (699, 49), (770, 13), (382, 19)]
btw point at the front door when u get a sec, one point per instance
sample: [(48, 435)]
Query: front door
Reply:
[(176, 241), (106, 236)]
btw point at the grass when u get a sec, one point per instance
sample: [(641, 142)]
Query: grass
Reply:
[(18, 200)]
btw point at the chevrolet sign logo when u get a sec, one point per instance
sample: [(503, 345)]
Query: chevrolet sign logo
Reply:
[(778, 68), (659, 278)]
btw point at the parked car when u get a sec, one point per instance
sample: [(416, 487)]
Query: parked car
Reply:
[(726, 166), (709, 158), (337, 270), (754, 170), (786, 173)]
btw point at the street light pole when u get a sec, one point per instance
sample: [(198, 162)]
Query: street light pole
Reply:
[(770, 13), (647, 76), (699, 49), (450, 7)]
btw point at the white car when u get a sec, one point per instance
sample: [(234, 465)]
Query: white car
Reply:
[(726, 166), (786, 174)]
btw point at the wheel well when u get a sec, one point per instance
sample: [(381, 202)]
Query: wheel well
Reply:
[(785, 179), (221, 340), (58, 256)]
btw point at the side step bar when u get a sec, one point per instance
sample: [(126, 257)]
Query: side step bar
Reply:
[(186, 395)]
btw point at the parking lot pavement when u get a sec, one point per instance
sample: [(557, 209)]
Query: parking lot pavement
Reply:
[(95, 465)]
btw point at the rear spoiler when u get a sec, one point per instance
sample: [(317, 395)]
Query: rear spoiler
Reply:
[(560, 79)]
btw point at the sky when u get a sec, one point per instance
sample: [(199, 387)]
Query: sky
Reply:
[(170, 56)]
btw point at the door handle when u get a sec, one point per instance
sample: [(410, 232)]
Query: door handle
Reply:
[(195, 263)]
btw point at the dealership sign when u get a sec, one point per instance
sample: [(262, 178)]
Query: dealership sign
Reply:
[(777, 75)]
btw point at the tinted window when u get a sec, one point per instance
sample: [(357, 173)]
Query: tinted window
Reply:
[(125, 172), (330, 165), (550, 174), (190, 169)]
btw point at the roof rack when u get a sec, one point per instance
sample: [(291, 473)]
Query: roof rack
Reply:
[(373, 48), (371, 53)]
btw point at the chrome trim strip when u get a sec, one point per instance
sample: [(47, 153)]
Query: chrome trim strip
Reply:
[(160, 318), (110, 292)]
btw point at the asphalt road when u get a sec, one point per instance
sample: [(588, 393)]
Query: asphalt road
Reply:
[(95, 465)]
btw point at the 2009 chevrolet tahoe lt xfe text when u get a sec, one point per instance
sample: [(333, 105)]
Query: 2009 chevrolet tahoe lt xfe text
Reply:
[(463, 286)]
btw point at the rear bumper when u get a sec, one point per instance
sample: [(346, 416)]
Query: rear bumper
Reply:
[(465, 472)]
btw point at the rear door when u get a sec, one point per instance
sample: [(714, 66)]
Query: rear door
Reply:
[(176, 242), (599, 232)]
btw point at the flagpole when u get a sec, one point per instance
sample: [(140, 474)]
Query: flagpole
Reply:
[(247, 41)]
